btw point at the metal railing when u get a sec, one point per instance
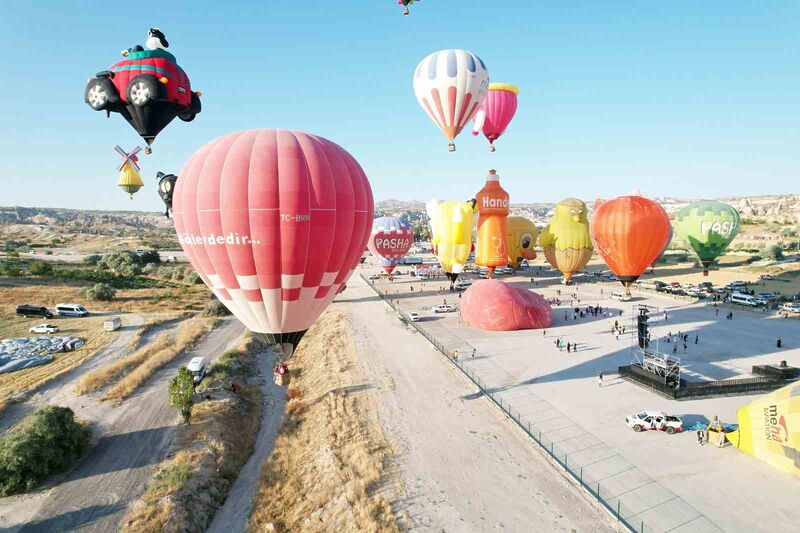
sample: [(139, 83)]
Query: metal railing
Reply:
[(613, 505)]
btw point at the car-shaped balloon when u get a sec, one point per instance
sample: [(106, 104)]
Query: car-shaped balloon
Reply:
[(142, 79), (654, 420)]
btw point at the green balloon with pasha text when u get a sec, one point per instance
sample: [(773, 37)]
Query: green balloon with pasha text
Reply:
[(708, 227)]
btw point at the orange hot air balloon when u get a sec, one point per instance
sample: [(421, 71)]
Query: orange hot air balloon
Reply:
[(492, 205), (629, 232)]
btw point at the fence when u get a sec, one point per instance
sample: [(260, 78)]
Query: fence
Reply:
[(612, 504), (694, 389)]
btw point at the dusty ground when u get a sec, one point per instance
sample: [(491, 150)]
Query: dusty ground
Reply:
[(460, 465), (331, 455), (133, 437)]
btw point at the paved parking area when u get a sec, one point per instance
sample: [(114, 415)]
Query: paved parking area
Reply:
[(664, 480)]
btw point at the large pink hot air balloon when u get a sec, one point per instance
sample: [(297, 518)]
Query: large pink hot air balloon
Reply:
[(496, 111), (275, 222)]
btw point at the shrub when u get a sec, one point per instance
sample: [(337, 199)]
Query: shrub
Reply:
[(10, 268), (101, 292), (774, 252), (194, 278), (149, 257), (181, 393), (124, 263), (216, 308), (92, 259), (45, 443), (680, 258), (41, 268), (48, 252)]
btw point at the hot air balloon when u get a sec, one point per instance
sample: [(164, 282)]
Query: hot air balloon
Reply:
[(492, 205), (708, 228), (768, 429), (390, 241), (629, 232), (274, 222), (406, 3), (496, 111), (521, 238), (451, 226), (450, 86), (666, 245), (147, 88), (130, 180), (166, 188), (566, 240)]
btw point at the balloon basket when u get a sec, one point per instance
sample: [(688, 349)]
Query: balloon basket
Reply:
[(148, 150), (491, 148), (451, 147), (281, 380)]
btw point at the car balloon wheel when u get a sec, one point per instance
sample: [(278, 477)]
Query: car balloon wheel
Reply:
[(140, 93), (97, 96)]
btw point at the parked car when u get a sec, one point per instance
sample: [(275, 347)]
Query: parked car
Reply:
[(765, 276), (654, 420), (463, 285), (373, 277), (71, 310), (45, 328), (622, 296), (735, 284), (28, 311), (444, 308), (413, 317), (768, 296), (197, 366), (791, 308), (694, 293)]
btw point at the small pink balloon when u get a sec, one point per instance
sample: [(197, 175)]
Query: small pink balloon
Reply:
[(496, 306)]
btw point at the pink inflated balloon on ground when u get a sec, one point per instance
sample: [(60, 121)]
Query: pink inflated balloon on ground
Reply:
[(496, 306)]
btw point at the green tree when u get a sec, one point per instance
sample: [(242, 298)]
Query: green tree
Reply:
[(774, 252), (101, 292), (216, 308), (181, 393), (45, 443), (92, 259), (41, 268)]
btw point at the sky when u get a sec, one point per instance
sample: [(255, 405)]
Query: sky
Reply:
[(687, 99)]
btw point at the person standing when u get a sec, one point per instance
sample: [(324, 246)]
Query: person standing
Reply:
[(544, 333), (600, 379), (779, 344), (569, 349), (675, 348), (696, 338), (700, 437)]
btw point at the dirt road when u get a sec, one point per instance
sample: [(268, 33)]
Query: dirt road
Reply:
[(235, 512), (462, 466), (134, 436)]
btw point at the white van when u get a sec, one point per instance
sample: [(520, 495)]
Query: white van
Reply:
[(744, 299), (621, 296), (197, 366), (71, 310), (112, 325)]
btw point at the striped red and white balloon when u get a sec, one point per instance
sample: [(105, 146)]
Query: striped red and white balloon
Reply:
[(274, 222), (390, 241), (450, 85)]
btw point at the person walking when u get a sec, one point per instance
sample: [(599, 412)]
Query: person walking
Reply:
[(696, 338), (779, 343), (600, 379), (699, 437), (544, 333), (569, 348), (675, 348), (717, 311), (684, 347)]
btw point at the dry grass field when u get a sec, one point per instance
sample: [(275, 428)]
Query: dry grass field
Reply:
[(187, 489), (126, 375), (18, 383), (329, 458)]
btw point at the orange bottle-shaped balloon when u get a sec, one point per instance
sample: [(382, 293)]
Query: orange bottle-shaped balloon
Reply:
[(492, 205)]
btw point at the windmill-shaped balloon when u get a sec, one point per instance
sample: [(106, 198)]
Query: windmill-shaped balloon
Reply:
[(130, 180)]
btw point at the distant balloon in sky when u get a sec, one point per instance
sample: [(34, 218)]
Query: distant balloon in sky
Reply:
[(708, 228), (405, 4), (496, 111), (130, 180), (629, 232), (450, 85), (390, 241), (275, 222)]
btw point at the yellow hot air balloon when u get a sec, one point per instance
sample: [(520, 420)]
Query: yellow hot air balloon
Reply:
[(566, 241), (451, 225), (769, 429), (522, 234), (130, 180)]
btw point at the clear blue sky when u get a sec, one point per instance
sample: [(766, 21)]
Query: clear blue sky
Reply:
[(677, 98)]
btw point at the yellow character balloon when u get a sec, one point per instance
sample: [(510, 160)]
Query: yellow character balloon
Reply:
[(451, 225), (522, 234), (566, 241)]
